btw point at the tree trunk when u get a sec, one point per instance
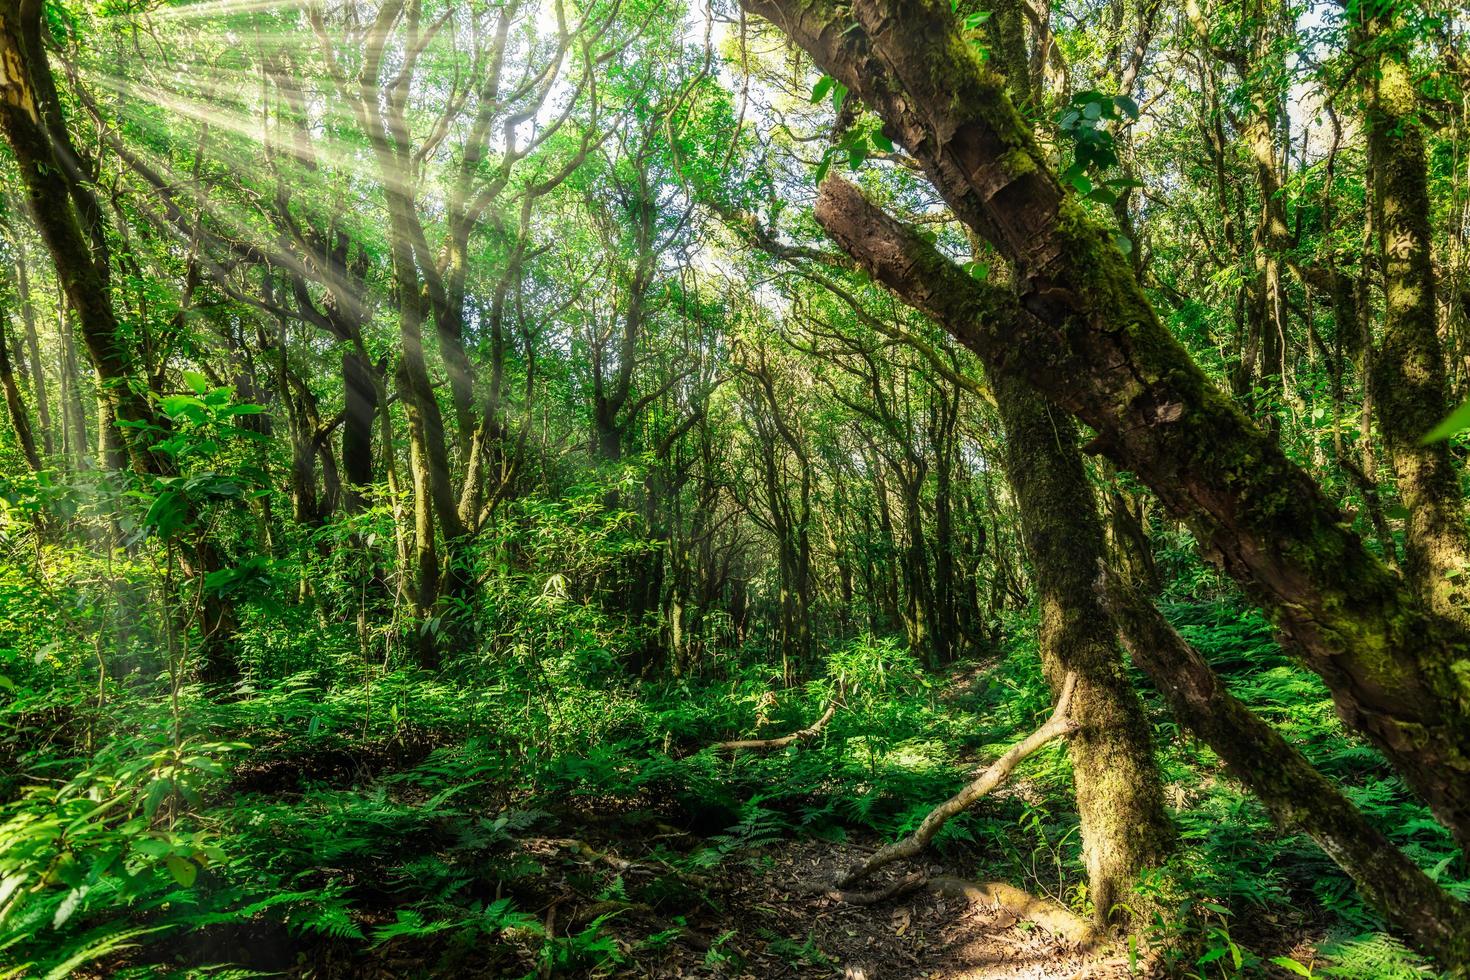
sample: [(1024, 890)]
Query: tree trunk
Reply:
[(360, 391), (73, 416), (1120, 797), (1119, 792), (33, 349), (66, 214), (20, 419), (48, 181)]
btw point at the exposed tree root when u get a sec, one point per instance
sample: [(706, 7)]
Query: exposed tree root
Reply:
[(586, 852), (1059, 724), (902, 886), (771, 744), (1055, 919)]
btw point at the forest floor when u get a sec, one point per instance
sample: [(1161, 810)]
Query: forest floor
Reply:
[(623, 881), (753, 918), (776, 930), (434, 851)]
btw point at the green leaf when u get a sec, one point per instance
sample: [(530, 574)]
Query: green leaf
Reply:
[(197, 381), (1127, 106), (1124, 243), (882, 142), (823, 167), (95, 949), (1287, 963), (977, 270), (1102, 196), (1212, 955), (821, 88), (176, 405), (166, 515), (68, 906), (183, 870), (157, 793), (839, 96), (1453, 424)]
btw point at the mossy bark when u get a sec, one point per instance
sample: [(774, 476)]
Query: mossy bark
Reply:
[(1299, 798), (1090, 341), (1120, 797), (1119, 793), (1408, 375), (20, 419)]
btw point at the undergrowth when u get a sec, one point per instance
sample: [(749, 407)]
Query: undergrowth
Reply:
[(375, 808)]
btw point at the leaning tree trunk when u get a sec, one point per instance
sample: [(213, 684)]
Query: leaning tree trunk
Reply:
[(47, 180), (1087, 337), (66, 214), (1299, 798)]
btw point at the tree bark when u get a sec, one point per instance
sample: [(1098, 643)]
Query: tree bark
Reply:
[(1120, 796), (20, 419), (48, 183), (66, 214), (33, 350)]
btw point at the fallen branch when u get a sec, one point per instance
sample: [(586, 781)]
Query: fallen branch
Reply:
[(771, 744), (1060, 723), (588, 853)]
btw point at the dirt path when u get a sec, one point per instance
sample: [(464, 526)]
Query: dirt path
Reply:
[(760, 924)]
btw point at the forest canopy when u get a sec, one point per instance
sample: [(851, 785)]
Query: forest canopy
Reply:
[(795, 487)]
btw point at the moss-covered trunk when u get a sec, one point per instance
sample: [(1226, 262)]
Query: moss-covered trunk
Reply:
[(69, 221), (52, 194), (1090, 341), (1408, 376), (1119, 793)]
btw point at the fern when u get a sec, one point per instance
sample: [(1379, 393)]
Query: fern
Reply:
[(1372, 956)]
